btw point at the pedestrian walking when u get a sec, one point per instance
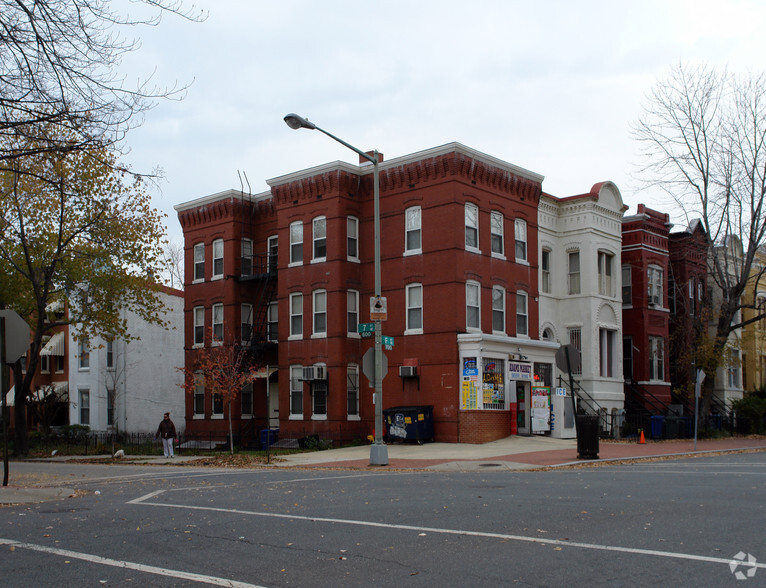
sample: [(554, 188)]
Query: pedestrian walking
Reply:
[(167, 432)]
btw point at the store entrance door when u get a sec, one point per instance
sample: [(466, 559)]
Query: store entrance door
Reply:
[(522, 408)]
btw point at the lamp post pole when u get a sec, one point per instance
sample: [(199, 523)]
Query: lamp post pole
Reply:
[(378, 450)]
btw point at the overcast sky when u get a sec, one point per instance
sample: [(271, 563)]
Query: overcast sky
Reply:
[(552, 87)]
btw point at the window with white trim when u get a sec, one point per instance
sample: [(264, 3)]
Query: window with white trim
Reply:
[(246, 259), (246, 400), (496, 222), (319, 399), (296, 392), (199, 326), (352, 313), (607, 339), (352, 238), (412, 231), (627, 286), (575, 339), (84, 406), (83, 353), (522, 314), (520, 237), (217, 259), (296, 243), (733, 368), (352, 391), (414, 296), (272, 250), (45, 364), (319, 308), (498, 310), (217, 324), (605, 262), (656, 358), (545, 267), (199, 262), (319, 235), (472, 306), (199, 395), (573, 275), (296, 315), (272, 322), (217, 412), (110, 355), (471, 227), (246, 322), (655, 285)]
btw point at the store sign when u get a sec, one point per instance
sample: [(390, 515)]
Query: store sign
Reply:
[(520, 371)]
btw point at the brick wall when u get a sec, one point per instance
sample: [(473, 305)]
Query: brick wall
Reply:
[(482, 426)]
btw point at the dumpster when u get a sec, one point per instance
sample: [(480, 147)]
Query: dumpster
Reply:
[(409, 423), (656, 425), (269, 437), (587, 436)]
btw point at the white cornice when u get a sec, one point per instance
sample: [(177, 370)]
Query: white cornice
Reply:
[(218, 196)]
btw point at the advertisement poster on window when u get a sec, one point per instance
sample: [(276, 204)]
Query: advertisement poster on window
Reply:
[(469, 398), (541, 410)]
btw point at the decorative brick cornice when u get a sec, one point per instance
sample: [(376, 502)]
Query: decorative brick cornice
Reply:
[(333, 182)]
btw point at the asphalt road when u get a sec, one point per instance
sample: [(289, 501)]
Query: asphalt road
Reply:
[(663, 523)]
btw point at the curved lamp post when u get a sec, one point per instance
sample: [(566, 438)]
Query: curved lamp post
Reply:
[(378, 450)]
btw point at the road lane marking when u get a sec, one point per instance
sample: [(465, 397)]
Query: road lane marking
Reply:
[(436, 530), (97, 559)]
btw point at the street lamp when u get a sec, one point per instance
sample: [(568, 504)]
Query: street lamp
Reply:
[(378, 450)]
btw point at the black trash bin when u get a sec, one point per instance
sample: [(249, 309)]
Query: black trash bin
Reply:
[(409, 423), (587, 436)]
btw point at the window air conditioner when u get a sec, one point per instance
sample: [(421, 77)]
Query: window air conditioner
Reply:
[(308, 373), (408, 371)]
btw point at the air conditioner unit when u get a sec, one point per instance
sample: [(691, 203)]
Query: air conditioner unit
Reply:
[(408, 371), (320, 372), (309, 373)]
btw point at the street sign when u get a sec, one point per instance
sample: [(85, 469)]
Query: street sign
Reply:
[(378, 308), (387, 341), (16, 336), (574, 357), (368, 366), (365, 328)]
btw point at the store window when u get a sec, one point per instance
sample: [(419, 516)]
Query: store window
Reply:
[(493, 384)]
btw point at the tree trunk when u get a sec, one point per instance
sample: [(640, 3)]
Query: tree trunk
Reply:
[(231, 436)]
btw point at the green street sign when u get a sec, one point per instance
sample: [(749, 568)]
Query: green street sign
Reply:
[(365, 328), (389, 341)]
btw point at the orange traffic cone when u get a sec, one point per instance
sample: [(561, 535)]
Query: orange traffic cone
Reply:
[(641, 440)]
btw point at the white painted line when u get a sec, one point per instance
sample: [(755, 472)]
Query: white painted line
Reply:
[(503, 536), (97, 559)]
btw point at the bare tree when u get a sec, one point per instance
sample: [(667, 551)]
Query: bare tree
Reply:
[(173, 261), (704, 136), (59, 67)]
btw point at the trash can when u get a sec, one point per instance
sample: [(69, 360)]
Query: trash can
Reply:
[(587, 436), (673, 427), (409, 423), (269, 437), (656, 425)]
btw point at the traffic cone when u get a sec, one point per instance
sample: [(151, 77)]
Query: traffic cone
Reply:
[(641, 440)]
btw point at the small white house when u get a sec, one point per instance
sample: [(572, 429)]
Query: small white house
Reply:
[(114, 385)]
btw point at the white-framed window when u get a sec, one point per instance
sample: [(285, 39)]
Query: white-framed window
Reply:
[(520, 238), (494, 392), (84, 395), (352, 391), (414, 296), (246, 322), (272, 322), (498, 309), (217, 259), (545, 270), (496, 235), (627, 286), (199, 262), (45, 364), (352, 313), (413, 242), (319, 235), (547, 334), (246, 400), (352, 238), (272, 251), (605, 270), (656, 358), (60, 364), (296, 243), (471, 227), (83, 353), (217, 324), (319, 308), (296, 315), (472, 306), (607, 339), (733, 368), (522, 314), (575, 339), (110, 355), (199, 326), (246, 259), (296, 392), (217, 412), (573, 276), (199, 395), (655, 285), (319, 400)]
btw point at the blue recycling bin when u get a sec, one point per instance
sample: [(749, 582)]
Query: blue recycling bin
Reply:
[(269, 437), (656, 423)]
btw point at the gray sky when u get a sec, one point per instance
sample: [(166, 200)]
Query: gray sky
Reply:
[(549, 86)]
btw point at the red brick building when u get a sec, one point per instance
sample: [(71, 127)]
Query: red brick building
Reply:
[(289, 274), (645, 310)]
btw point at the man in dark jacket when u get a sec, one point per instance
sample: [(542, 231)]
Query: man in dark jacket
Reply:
[(167, 432)]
